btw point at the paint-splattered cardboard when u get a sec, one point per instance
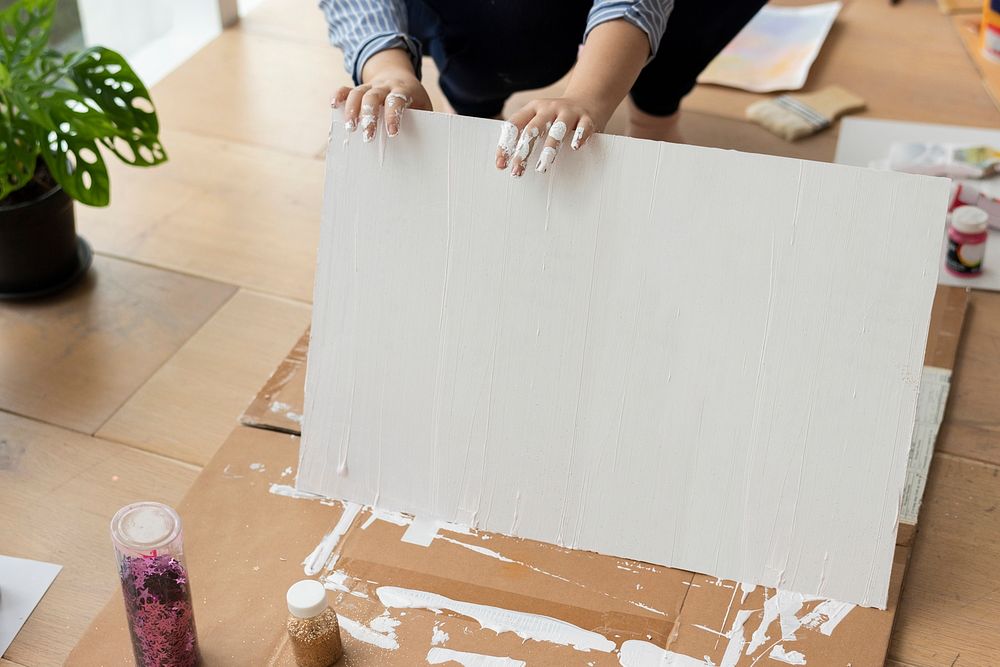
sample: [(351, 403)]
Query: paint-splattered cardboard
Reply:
[(278, 405), (246, 545), (247, 536)]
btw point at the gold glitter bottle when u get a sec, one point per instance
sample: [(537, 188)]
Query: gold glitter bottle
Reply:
[(312, 625)]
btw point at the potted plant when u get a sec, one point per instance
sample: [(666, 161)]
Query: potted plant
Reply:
[(57, 111)]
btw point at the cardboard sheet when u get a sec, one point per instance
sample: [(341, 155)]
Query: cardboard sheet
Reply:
[(23, 582), (865, 142), (246, 542), (238, 509), (279, 405), (775, 50), (519, 352)]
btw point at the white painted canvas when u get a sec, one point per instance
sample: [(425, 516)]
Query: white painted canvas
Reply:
[(866, 142), (699, 358)]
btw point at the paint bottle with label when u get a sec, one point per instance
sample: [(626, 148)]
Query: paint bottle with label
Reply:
[(155, 585), (991, 30), (312, 626), (966, 241)]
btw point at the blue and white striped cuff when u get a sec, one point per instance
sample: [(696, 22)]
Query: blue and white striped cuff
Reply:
[(652, 24), (381, 43)]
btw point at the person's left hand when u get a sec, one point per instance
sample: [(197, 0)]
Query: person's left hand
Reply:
[(553, 121)]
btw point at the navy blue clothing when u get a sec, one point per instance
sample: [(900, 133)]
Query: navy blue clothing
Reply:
[(486, 51), (362, 28)]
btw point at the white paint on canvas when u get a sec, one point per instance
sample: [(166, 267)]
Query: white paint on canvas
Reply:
[(693, 357)]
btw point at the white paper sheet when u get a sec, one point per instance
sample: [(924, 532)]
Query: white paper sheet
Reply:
[(664, 352), (865, 142), (775, 50), (23, 582)]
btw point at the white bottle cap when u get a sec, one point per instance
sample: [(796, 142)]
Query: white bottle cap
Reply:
[(969, 219), (306, 598)]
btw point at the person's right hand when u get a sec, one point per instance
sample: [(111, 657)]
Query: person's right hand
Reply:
[(390, 84)]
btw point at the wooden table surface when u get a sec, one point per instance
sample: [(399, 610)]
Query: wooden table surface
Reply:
[(123, 387)]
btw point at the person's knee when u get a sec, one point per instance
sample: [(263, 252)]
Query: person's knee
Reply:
[(644, 125)]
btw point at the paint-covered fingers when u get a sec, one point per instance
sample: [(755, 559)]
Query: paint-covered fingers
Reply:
[(517, 138), (371, 105), (340, 97), (582, 133), (352, 107), (507, 143), (554, 139), (525, 146), (395, 103), (550, 123)]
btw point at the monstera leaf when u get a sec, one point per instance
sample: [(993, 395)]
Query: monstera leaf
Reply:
[(76, 164), (105, 77), (24, 31), (18, 150), (66, 107)]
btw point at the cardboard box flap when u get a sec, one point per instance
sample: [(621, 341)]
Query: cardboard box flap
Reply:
[(278, 405), (246, 543)]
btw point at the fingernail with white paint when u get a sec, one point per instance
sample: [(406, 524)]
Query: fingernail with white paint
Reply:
[(506, 143), (525, 144), (558, 131), (577, 138), (546, 159)]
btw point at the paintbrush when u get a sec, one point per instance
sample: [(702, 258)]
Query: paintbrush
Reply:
[(792, 117)]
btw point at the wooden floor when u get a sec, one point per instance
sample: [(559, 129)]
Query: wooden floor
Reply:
[(123, 387)]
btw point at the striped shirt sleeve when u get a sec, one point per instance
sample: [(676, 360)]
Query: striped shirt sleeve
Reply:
[(650, 16), (362, 28)]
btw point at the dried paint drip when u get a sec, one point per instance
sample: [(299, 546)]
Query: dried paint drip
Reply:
[(158, 608), (155, 585)]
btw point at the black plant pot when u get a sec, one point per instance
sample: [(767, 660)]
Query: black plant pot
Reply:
[(40, 252)]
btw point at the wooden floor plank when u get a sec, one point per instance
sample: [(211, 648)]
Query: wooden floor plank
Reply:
[(254, 89), (904, 60), (190, 406), (241, 214), (950, 611), (59, 490), (968, 30), (75, 358), (291, 20), (972, 422)]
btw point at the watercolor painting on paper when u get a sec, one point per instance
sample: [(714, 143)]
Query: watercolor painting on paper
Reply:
[(775, 50)]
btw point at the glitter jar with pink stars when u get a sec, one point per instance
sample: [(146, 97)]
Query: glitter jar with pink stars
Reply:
[(155, 585)]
